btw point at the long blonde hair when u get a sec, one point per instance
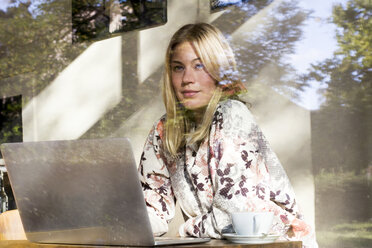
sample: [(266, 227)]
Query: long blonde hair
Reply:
[(217, 57)]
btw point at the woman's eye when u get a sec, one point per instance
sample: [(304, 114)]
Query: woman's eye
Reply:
[(177, 68), (199, 66)]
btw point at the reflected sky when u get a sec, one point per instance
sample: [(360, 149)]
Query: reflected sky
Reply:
[(4, 4), (318, 43)]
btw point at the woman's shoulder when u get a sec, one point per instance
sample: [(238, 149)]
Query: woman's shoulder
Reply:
[(232, 107), (158, 126), (233, 117)]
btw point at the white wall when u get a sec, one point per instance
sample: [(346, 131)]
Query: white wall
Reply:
[(78, 97)]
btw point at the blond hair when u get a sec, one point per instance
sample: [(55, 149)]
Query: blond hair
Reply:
[(217, 57)]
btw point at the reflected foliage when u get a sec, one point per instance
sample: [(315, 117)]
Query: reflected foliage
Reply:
[(348, 74), (10, 119), (343, 125), (342, 129), (261, 53), (220, 4), (346, 222), (90, 19), (35, 37), (98, 19), (350, 234)]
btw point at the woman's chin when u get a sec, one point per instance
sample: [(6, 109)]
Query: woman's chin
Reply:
[(196, 108), (193, 106)]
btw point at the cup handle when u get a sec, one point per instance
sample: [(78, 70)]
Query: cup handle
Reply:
[(256, 224)]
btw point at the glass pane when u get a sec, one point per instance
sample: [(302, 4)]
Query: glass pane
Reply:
[(307, 66)]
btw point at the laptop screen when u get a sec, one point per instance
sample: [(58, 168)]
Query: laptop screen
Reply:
[(78, 185)]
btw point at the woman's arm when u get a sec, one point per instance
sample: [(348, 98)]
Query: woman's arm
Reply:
[(240, 178), (155, 182)]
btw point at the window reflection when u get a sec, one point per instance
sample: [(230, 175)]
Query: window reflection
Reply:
[(10, 119), (35, 38), (341, 131), (10, 131), (220, 4), (97, 19)]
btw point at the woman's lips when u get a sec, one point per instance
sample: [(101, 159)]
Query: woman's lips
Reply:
[(189, 93)]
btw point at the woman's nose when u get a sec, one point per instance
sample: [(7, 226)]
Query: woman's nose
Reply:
[(188, 76)]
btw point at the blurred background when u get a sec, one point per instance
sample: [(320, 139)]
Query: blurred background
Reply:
[(81, 69)]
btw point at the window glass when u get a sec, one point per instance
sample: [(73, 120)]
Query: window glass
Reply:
[(94, 68)]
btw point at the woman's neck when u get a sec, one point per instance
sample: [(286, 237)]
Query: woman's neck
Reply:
[(196, 115)]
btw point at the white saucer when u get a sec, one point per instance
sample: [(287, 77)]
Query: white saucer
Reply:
[(251, 239)]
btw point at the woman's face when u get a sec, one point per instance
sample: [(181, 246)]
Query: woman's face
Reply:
[(192, 84)]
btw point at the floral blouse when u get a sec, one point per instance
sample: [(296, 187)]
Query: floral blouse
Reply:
[(232, 170)]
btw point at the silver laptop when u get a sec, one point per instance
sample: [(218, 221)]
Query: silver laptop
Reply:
[(81, 192)]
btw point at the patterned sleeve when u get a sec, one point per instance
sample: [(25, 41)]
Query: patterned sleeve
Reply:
[(240, 177), (155, 182)]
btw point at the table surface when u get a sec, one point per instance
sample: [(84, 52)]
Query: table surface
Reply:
[(212, 243)]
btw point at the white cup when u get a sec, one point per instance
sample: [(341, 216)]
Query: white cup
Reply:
[(252, 223)]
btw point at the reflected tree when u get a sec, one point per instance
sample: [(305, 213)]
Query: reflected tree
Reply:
[(36, 45), (343, 125), (98, 19), (220, 4), (348, 74), (10, 119), (90, 19), (264, 49), (35, 37), (342, 131), (261, 52), (270, 45)]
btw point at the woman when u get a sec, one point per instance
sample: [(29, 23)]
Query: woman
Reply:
[(207, 152)]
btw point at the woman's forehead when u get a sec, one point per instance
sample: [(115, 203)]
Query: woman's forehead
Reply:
[(184, 51)]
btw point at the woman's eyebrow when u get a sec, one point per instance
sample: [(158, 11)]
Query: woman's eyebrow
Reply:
[(176, 62), (179, 62)]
